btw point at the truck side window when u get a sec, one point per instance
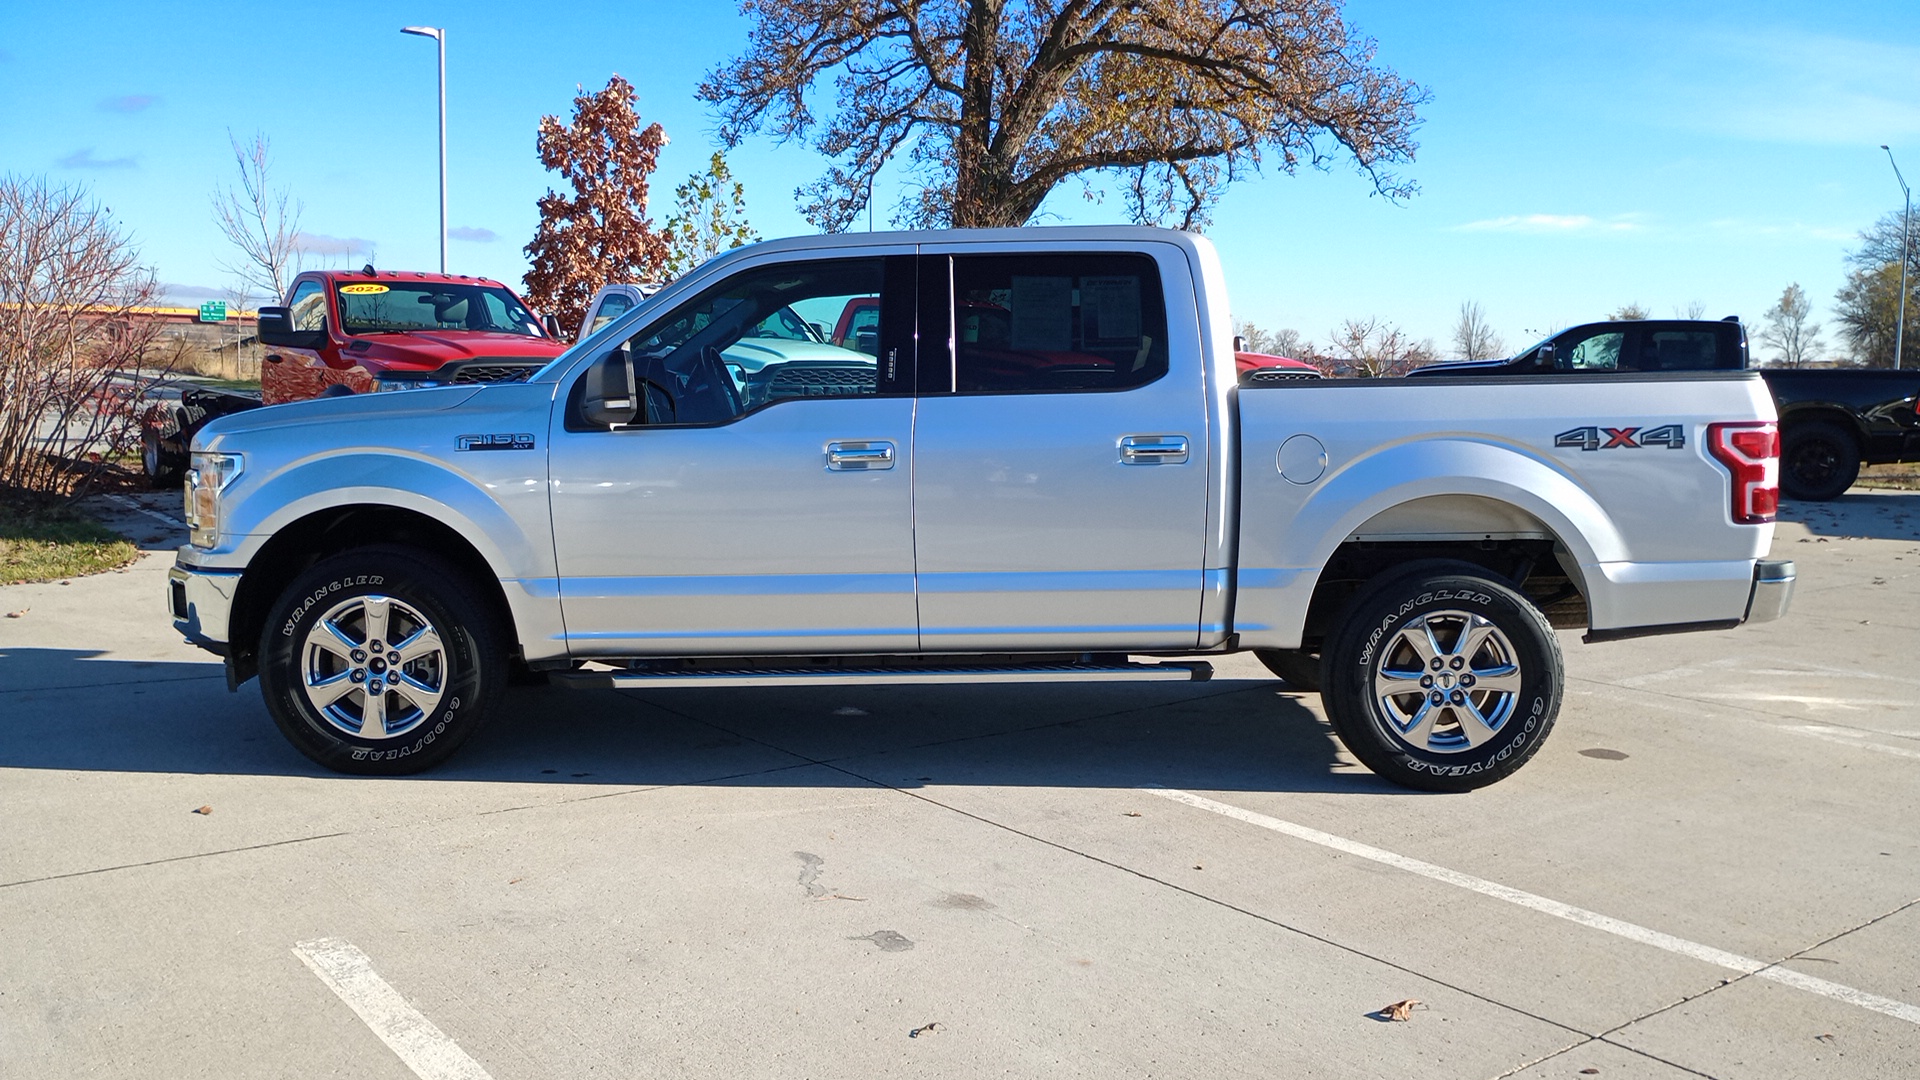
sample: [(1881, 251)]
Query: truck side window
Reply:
[(751, 341), (1599, 352), (308, 308), (1680, 350), (1048, 323)]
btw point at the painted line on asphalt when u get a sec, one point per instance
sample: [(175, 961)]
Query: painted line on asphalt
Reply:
[(1846, 737), (424, 1048), (171, 522), (1631, 931)]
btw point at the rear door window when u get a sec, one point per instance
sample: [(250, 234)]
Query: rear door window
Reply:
[(1681, 350), (1047, 323)]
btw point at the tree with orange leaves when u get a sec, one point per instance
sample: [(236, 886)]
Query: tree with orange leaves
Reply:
[(602, 234)]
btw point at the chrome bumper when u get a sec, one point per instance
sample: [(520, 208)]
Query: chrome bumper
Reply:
[(1772, 590), (201, 602)]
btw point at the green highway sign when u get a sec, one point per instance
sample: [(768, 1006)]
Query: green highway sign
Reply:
[(213, 311)]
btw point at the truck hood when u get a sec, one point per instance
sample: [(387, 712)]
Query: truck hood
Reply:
[(422, 351), (390, 410), (752, 354)]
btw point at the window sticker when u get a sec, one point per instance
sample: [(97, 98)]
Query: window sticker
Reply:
[(363, 289), (1042, 314), (1110, 309)]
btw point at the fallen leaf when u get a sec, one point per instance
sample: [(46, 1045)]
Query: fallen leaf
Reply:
[(1197, 866), (516, 881), (204, 810), (1826, 1037), (21, 614), (1400, 1011), (1131, 813), (924, 1029), (1589, 1072)]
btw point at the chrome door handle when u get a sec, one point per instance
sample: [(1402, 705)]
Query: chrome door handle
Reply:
[(859, 456), (1153, 450)]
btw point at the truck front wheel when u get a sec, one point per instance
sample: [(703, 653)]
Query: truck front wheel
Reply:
[(380, 661), (1442, 679)]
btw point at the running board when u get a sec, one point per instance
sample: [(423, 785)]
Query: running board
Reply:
[(1184, 671)]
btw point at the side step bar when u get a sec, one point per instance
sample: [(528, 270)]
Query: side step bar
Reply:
[(1183, 671)]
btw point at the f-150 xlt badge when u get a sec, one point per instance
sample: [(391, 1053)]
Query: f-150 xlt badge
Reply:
[(521, 441), (1671, 436)]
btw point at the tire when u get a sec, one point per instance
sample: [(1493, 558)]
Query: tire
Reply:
[(1818, 461), (1392, 634), (318, 658), (157, 461), (1296, 667)]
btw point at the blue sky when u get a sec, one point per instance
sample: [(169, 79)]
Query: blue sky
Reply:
[(1574, 157)]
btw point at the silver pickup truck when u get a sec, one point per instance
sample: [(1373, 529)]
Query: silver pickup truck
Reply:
[(1038, 464)]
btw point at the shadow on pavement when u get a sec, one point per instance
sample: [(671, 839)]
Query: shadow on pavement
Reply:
[(69, 710), (1865, 515)]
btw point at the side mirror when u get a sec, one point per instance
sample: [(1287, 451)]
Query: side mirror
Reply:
[(1547, 356), (276, 330), (610, 395), (551, 325), (1239, 343)]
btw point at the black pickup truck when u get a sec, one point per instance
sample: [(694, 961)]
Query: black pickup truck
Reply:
[(1832, 421)]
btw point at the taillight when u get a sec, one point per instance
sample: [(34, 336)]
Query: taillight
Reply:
[(1751, 451)]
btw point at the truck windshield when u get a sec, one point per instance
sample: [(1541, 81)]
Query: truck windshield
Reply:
[(369, 307)]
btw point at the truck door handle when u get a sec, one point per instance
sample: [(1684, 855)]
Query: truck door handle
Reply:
[(1153, 450), (852, 456)]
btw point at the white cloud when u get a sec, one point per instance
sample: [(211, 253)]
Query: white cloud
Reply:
[(472, 234), (84, 159), (322, 244), (1555, 224)]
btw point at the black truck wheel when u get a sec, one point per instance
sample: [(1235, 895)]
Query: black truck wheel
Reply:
[(380, 661), (1818, 461), (160, 458), (1297, 667), (1442, 679)]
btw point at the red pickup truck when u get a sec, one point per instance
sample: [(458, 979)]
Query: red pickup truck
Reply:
[(356, 332)]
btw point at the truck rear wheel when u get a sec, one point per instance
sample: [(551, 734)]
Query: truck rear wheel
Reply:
[(1442, 679), (1818, 461), (380, 661)]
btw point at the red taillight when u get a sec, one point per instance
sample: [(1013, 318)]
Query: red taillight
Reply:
[(1751, 452)]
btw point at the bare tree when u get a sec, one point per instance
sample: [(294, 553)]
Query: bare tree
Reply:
[(70, 354), (1371, 348), (1693, 309), (261, 220), (1631, 312), (709, 216), (998, 102), (602, 234), (1795, 342), (1473, 338)]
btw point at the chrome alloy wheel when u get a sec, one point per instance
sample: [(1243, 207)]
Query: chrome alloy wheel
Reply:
[(374, 667), (1446, 682)]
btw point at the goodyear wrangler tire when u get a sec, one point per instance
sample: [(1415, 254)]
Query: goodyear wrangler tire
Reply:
[(380, 661), (1442, 679)]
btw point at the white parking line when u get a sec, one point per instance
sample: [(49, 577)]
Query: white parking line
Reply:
[(171, 522), (1847, 737), (424, 1048), (1631, 931)]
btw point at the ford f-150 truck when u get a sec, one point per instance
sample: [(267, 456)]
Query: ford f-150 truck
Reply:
[(1086, 489), (1832, 421)]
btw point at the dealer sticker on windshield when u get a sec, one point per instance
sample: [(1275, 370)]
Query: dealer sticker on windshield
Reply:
[(362, 289)]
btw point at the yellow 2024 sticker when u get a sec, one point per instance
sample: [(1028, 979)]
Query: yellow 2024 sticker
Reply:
[(362, 289)]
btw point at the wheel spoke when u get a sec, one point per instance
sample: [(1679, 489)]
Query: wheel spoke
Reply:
[(1419, 730), (420, 644), (373, 716), (334, 640), (416, 693), (1504, 679), (1421, 640), (324, 692), (1473, 726), (1475, 636), (377, 609)]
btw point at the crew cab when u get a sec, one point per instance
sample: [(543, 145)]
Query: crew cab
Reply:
[(355, 332), (1832, 420), (1083, 490)]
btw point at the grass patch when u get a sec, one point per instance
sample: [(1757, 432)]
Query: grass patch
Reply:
[(1904, 476), (48, 541)]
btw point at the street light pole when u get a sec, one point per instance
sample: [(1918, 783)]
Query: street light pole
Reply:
[(1906, 227), (439, 35)]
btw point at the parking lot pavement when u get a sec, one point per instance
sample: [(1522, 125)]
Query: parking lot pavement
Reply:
[(1711, 869)]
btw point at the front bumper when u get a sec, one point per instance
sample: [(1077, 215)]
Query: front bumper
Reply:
[(201, 603), (1772, 590)]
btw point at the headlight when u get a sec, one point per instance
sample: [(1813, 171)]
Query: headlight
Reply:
[(380, 385), (208, 476)]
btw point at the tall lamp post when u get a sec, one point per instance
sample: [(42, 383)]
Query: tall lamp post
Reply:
[(1906, 225), (439, 35)]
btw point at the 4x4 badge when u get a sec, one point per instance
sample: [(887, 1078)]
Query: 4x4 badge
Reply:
[(519, 441), (1671, 436)]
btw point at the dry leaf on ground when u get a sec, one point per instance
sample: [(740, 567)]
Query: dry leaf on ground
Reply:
[(924, 1029), (204, 810), (19, 614), (1400, 1011)]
